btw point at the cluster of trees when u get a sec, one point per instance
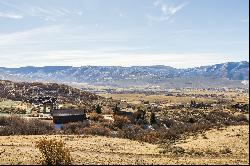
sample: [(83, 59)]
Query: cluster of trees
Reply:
[(138, 116)]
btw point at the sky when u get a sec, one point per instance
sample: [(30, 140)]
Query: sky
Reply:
[(177, 33)]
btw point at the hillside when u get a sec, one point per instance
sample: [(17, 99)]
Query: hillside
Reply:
[(229, 74), (23, 91), (103, 150)]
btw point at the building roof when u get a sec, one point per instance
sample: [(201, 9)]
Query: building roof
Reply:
[(66, 112)]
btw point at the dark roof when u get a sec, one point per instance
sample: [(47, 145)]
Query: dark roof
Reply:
[(66, 112)]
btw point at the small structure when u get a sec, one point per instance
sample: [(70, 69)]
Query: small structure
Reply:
[(44, 104), (62, 116)]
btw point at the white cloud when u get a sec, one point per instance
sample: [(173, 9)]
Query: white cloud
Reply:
[(61, 36), (11, 15), (26, 36), (46, 13), (167, 11)]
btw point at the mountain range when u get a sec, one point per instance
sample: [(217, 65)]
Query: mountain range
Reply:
[(230, 74)]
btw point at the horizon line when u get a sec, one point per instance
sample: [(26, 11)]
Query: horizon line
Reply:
[(124, 66)]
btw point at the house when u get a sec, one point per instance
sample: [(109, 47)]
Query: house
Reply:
[(44, 104), (62, 116)]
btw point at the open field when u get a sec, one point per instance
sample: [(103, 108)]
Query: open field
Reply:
[(206, 149), (183, 96), (10, 103), (137, 98)]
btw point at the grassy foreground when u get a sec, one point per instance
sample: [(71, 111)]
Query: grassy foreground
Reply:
[(229, 145)]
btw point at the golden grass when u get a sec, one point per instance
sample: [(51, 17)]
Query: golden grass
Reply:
[(103, 150), (137, 98), (234, 138)]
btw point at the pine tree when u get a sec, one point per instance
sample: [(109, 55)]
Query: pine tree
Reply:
[(98, 109), (153, 118), (116, 109)]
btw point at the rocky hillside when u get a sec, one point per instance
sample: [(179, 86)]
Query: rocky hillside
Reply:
[(230, 70)]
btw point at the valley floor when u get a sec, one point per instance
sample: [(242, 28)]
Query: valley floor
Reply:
[(103, 150)]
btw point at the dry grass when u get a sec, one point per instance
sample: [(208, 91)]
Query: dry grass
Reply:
[(103, 150), (235, 138), (137, 98)]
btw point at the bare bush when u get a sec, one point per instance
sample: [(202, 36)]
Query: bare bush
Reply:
[(130, 132), (96, 130), (195, 121), (121, 121), (225, 150), (96, 117), (15, 125), (54, 152), (74, 128), (150, 137)]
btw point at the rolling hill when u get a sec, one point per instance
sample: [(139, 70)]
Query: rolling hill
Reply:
[(24, 91)]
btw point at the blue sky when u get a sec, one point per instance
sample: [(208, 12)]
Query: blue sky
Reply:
[(178, 33)]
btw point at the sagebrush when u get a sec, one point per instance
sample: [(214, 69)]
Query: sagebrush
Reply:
[(54, 152)]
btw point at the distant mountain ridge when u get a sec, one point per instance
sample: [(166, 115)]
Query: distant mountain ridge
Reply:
[(126, 76)]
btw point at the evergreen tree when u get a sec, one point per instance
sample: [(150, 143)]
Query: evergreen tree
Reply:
[(153, 118), (44, 108), (193, 103), (116, 109), (98, 109)]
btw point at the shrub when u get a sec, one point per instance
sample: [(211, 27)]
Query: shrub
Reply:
[(37, 127), (225, 150), (96, 117), (143, 123), (150, 137), (241, 118), (194, 121), (3, 121), (108, 124), (74, 128), (121, 121), (54, 152), (191, 120), (171, 134), (96, 130), (107, 111), (15, 125), (116, 109), (139, 114), (168, 122), (177, 150), (130, 132)]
